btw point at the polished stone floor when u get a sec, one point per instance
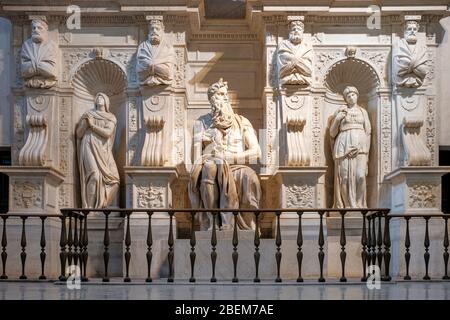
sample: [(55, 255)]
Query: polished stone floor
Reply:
[(224, 291)]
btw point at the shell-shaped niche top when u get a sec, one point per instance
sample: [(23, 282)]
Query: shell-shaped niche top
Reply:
[(351, 72), (99, 75)]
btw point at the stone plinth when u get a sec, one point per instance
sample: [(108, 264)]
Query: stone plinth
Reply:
[(246, 262), (33, 227), (96, 233), (149, 188), (416, 189), (33, 189), (353, 247)]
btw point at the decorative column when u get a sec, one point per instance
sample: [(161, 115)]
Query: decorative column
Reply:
[(416, 177), (156, 138), (34, 177)]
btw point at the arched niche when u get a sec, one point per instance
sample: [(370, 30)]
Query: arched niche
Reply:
[(101, 75), (360, 74)]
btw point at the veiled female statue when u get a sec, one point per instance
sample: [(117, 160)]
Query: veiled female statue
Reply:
[(98, 171), (350, 139)]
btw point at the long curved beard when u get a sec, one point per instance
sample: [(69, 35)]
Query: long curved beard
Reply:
[(223, 117), (37, 38)]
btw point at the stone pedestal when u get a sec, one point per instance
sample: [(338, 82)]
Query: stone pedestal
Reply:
[(417, 190), (353, 232), (301, 187), (33, 227), (149, 188), (33, 190)]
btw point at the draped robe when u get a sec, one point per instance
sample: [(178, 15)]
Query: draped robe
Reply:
[(38, 64), (239, 185), (294, 63), (155, 63), (353, 131), (411, 64), (96, 162)]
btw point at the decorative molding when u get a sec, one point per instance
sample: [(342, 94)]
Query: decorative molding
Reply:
[(65, 143), (180, 72), (386, 136), (300, 196), (179, 126), (39, 103), (422, 195), (99, 75), (316, 132), (133, 115), (297, 150), (294, 102), (155, 103), (18, 128), (152, 151), (27, 194), (33, 152), (72, 59), (415, 149), (151, 196), (224, 36), (430, 132)]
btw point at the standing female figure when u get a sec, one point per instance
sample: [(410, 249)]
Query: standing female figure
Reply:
[(99, 176), (350, 137)]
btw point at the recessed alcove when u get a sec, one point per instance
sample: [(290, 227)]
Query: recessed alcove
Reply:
[(360, 74), (92, 77)]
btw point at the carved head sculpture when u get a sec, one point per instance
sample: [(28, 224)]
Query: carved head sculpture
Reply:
[(155, 31), (39, 31), (296, 29), (220, 106), (351, 95), (102, 102), (411, 29)]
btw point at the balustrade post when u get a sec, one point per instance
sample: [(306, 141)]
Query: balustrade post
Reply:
[(213, 248), (387, 248), (446, 243), (235, 242), (106, 242), (4, 245), (407, 246), (343, 242), (426, 243), (23, 244), (321, 244), (256, 242), (149, 254), (170, 242), (299, 246), (62, 244), (278, 244), (364, 247), (42, 254), (192, 242), (127, 253)]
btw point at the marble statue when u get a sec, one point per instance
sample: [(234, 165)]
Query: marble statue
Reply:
[(411, 58), (39, 58), (350, 132), (155, 57), (224, 142), (294, 57), (99, 177)]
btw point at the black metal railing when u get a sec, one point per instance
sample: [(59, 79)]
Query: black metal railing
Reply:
[(74, 242)]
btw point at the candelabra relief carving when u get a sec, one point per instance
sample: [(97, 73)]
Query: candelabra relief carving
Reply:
[(297, 150), (416, 152), (33, 152), (152, 152)]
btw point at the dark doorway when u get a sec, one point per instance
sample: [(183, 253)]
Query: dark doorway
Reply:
[(444, 160), (5, 160)]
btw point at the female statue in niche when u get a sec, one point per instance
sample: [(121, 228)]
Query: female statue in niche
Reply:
[(98, 171), (350, 139)]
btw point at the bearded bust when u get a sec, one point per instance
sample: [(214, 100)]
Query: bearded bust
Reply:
[(411, 58), (155, 57), (39, 58), (294, 57)]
